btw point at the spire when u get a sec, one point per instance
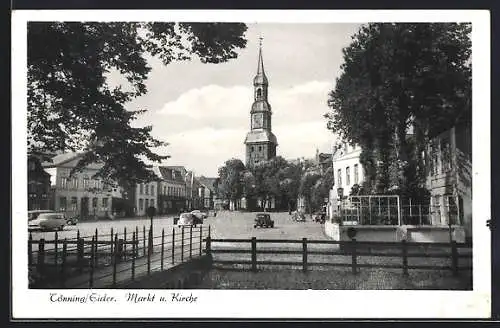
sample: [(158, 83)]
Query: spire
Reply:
[(260, 78)]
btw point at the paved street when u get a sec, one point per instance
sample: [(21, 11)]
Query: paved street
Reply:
[(104, 227), (225, 225)]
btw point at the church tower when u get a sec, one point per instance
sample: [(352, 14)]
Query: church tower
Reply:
[(260, 142)]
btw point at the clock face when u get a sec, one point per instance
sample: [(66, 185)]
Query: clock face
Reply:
[(257, 120)]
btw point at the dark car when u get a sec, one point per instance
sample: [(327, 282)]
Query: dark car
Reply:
[(320, 217), (72, 220), (263, 220)]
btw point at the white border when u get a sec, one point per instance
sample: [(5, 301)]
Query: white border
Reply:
[(267, 304)]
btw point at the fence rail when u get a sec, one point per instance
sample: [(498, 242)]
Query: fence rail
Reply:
[(107, 260), (352, 250)]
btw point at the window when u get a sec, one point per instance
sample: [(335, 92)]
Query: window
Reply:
[(105, 203), (164, 190), (141, 188), (141, 204), (94, 202), (74, 203), (86, 182), (74, 183), (434, 158), (252, 149), (62, 204), (152, 202), (339, 177), (173, 174), (356, 174), (147, 202), (347, 176), (64, 182), (446, 155), (260, 148), (147, 189), (152, 190), (259, 93)]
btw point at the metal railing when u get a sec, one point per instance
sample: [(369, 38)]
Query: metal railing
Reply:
[(103, 261)]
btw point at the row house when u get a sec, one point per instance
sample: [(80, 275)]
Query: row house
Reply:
[(172, 195), (207, 192), (146, 195), (39, 195), (449, 177), (80, 194)]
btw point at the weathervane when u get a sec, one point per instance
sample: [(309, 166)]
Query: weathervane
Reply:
[(260, 41)]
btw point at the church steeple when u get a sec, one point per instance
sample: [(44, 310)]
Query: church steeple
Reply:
[(260, 78), (260, 141)]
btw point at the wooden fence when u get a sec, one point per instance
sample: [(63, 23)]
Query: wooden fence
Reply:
[(112, 257), (352, 250)]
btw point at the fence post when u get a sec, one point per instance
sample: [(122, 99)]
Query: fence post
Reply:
[(80, 248), (41, 255), (354, 256), (115, 255), (201, 238), (304, 254), (190, 242), (30, 249), (208, 246), (137, 241), (254, 254), (149, 252), (454, 257), (112, 241), (162, 246), (96, 244), (134, 250), (209, 232), (143, 240), (56, 239), (173, 246), (125, 243), (182, 245), (63, 262), (405, 257), (92, 261)]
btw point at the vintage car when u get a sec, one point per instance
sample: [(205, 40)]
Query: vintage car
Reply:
[(48, 221), (188, 219), (299, 216), (263, 220), (320, 217), (199, 214)]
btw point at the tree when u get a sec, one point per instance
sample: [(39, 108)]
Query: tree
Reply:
[(307, 187), (230, 185), (321, 189), (72, 106), (397, 76)]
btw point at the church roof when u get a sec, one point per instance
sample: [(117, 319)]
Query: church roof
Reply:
[(260, 135), (261, 77), (260, 106)]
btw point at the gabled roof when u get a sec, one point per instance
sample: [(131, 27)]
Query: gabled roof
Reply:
[(208, 182), (166, 173), (61, 159)]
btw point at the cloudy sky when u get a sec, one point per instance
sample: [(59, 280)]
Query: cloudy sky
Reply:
[(203, 110)]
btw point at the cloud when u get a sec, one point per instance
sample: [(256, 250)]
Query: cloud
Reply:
[(206, 126)]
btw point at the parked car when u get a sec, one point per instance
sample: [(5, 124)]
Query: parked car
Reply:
[(188, 219), (320, 217), (199, 214), (48, 221), (72, 220), (299, 216), (263, 220), (33, 214)]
